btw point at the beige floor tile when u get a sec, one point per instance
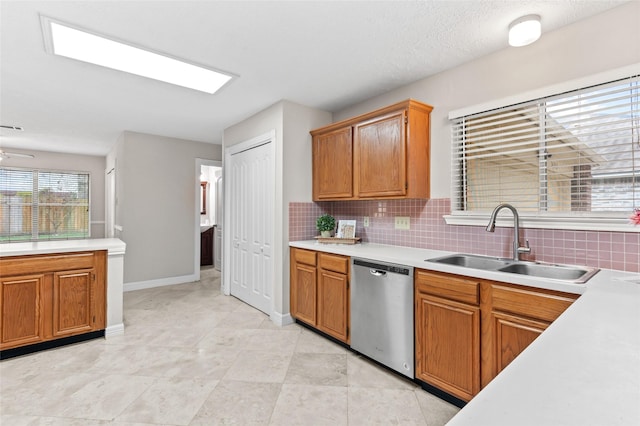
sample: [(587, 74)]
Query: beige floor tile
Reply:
[(238, 403), (276, 341), (363, 372), (79, 396), (369, 406), (310, 405), (227, 338), (318, 369), (436, 411), (104, 397), (206, 363), (173, 401), (11, 420), (139, 360), (190, 354), (259, 367), (36, 394), (312, 342), (250, 319)]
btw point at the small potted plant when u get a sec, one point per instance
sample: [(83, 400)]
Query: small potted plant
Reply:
[(325, 224)]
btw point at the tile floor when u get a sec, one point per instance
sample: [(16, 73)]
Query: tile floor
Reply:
[(191, 356)]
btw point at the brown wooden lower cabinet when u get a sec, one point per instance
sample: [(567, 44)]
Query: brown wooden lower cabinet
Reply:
[(47, 297), (206, 247), (513, 316), (512, 335), (333, 295), (447, 324), (319, 291), (303, 285), (468, 330)]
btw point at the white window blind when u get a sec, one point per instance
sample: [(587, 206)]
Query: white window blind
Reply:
[(43, 205), (572, 154)]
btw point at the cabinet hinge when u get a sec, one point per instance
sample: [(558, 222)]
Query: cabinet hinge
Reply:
[(93, 277), (94, 318), (347, 332), (406, 120), (406, 185)]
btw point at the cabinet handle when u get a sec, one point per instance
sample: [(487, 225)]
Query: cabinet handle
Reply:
[(377, 273)]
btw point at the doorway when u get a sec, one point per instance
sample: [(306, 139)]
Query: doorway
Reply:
[(207, 210)]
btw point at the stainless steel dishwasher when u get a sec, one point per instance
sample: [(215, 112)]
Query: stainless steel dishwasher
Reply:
[(382, 313)]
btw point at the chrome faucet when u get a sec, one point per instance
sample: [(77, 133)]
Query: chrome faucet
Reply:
[(491, 227)]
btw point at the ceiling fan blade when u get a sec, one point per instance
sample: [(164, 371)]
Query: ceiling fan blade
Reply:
[(5, 154)]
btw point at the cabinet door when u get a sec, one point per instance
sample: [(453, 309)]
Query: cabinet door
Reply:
[(303, 293), (333, 304), (73, 294), (512, 335), (21, 310), (206, 247), (381, 157), (448, 345), (333, 165)]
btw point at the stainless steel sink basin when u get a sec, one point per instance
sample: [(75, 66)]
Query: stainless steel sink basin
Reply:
[(565, 273), (472, 261), (556, 272)]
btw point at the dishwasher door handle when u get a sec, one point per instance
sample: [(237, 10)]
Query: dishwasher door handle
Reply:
[(377, 272)]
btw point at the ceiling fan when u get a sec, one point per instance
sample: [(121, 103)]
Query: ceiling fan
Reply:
[(6, 154)]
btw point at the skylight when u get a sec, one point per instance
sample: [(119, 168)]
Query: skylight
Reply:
[(72, 43)]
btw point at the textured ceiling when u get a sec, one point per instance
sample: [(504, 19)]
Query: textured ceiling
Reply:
[(323, 54)]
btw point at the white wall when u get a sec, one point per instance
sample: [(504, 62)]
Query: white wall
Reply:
[(603, 42), (291, 123), (95, 165), (155, 181)]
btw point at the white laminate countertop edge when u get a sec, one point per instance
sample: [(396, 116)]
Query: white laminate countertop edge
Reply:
[(112, 245), (583, 370)]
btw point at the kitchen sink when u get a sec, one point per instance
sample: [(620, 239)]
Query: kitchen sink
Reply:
[(557, 272), (565, 273), (472, 261)]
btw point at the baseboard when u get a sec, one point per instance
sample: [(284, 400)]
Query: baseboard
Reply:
[(141, 285), (281, 320), (114, 330)]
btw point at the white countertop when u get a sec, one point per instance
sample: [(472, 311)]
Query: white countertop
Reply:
[(583, 370), (112, 245)]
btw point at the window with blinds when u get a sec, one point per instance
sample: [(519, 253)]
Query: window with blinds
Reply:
[(40, 205), (576, 153)]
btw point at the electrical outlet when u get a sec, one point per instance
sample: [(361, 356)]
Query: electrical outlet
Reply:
[(402, 222), (365, 221)]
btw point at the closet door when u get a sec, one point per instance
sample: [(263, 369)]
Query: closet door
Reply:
[(251, 222)]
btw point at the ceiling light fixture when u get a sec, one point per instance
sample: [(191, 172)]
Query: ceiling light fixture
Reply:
[(63, 40), (525, 30)]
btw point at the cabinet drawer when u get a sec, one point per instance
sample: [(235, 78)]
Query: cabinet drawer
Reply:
[(546, 306), (305, 256), (452, 287), (334, 262), (19, 265)]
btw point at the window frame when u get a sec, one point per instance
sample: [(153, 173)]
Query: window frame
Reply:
[(36, 201), (594, 221)]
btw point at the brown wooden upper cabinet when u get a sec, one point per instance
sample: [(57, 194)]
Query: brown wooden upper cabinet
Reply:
[(383, 154)]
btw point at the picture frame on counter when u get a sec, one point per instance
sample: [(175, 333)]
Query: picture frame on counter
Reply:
[(346, 229)]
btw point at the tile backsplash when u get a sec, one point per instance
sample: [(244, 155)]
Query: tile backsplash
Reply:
[(602, 249)]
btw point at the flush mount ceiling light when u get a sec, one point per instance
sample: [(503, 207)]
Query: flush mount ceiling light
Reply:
[(524, 30), (63, 40)]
